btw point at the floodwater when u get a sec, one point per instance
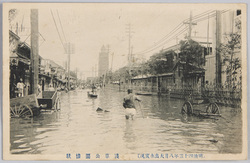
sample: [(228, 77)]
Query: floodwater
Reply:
[(78, 128)]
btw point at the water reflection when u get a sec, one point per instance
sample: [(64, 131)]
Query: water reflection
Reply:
[(129, 135), (78, 127)]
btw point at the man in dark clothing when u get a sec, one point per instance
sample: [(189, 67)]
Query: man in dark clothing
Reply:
[(129, 104)]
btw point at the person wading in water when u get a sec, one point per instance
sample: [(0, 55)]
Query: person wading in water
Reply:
[(129, 104)]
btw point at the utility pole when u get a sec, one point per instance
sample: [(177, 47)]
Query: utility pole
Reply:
[(107, 68), (69, 65), (112, 55), (76, 76), (208, 45), (34, 51), (132, 55), (129, 32), (108, 49), (95, 72), (218, 42), (190, 23), (69, 50)]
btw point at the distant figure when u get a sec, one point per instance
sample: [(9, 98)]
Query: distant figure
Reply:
[(20, 86), (129, 104), (39, 91), (93, 89), (51, 88), (66, 90)]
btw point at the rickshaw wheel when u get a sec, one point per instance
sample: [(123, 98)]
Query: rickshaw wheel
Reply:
[(187, 108), (213, 108), (21, 111)]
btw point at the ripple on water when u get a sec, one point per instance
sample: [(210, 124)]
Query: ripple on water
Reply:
[(203, 142), (19, 141), (19, 136), (20, 150), (80, 128)]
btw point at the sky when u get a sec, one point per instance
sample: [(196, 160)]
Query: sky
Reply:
[(90, 26)]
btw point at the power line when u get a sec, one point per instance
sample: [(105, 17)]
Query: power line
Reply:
[(58, 30), (162, 39), (161, 43), (150, 50), (174, 30), (181, 24), (210, 16), (61, 26), (201, 15)]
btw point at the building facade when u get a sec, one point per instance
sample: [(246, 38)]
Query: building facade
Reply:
[(50, 73), (103, 65), (225, 25)]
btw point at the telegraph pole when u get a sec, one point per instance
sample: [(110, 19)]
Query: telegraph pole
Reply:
[(112, 55), (129, 32), (34, 51), (218, 42), (95, 71), (190, 23), (76, 75), (69, 50), (208, 45), (68, 66), (132, 55)]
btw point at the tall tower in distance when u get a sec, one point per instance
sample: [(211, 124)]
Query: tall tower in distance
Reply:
[(103, 65)]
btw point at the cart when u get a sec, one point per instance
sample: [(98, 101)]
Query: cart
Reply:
[(200, 107), (49, 100), (23, 107), (29, 106)]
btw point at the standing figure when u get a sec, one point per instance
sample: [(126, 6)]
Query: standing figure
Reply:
[(93, 89), (51, 88), (20, 86), (39, 91), (129, 104)]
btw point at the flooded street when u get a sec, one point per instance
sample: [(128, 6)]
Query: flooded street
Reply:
[(78, 128)]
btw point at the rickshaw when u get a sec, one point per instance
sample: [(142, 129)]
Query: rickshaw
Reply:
[(30, 105)]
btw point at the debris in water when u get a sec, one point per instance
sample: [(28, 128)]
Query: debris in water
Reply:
[(213, 141), (99, 109)]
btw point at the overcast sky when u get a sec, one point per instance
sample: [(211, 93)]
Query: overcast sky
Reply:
[(89, 26)]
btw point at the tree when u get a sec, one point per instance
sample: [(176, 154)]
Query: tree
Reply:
[(161, 62), (230, 52), (191, 52)]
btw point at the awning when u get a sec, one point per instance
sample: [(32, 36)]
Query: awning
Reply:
[(25, 61)]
